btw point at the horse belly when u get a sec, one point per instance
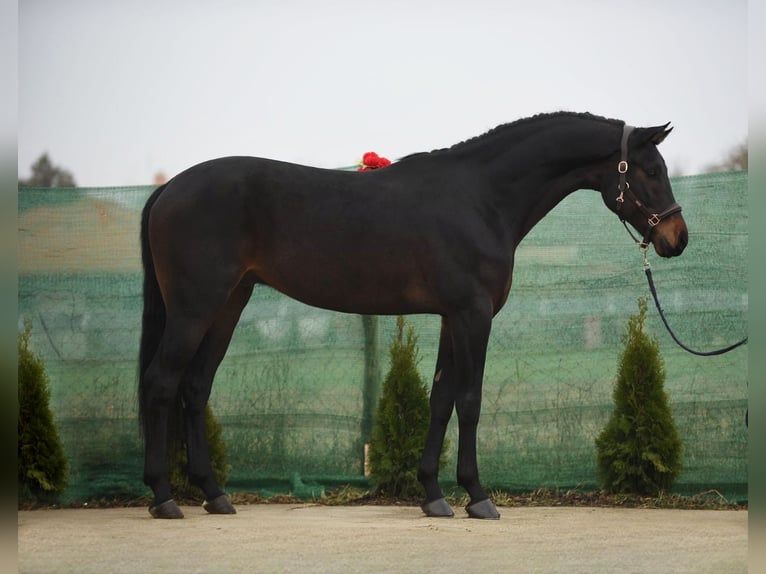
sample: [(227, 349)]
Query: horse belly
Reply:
[(352, 279)]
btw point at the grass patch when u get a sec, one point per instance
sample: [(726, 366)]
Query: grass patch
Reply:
[(354, 496), (708, 500)]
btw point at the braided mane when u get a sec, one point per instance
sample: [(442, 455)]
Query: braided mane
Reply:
[(503, 129)]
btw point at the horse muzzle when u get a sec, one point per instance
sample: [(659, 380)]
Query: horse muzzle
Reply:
[(670, 236)]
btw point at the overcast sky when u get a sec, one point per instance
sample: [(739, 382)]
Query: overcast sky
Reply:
[(118, 91)]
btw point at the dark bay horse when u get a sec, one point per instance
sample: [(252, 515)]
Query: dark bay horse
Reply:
[(433, 233)]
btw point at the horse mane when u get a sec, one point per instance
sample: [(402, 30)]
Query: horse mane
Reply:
[(503, 129)]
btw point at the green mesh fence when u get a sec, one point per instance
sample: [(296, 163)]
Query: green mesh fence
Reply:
[(291, 392)]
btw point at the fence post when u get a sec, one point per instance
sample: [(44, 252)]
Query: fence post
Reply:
[(371, 383)]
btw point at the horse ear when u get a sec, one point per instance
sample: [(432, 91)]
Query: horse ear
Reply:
[(655, 135)]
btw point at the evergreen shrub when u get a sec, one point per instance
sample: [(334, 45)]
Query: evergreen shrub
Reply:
[(401, 420), (639, 451), (42, 466)]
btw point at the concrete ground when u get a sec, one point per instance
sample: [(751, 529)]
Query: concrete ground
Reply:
[(309, 538)]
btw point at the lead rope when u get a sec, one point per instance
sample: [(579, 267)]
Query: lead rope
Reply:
[(648, 270)]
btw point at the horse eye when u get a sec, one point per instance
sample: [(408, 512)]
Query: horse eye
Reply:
[(651, 172)]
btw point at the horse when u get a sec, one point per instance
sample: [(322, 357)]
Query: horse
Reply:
[(433, 233)]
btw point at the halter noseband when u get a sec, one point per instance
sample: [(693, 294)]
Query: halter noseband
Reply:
[(623, 186)]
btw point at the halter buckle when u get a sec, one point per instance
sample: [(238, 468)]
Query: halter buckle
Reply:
[(654, 220), (622, 167)]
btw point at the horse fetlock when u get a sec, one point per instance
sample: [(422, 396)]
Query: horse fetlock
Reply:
[(207, 484), (431, 486), (469, 480)]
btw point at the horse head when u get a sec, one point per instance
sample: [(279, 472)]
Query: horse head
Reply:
[(639, 191)]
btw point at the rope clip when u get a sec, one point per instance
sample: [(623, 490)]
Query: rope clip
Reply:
[(644, 248)]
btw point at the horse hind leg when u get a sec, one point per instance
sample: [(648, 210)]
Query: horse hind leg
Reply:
[(162, 379), (187, 322), (196, 386)]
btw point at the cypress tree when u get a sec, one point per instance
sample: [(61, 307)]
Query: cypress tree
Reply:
[(42, 466), (639, 450), (401, 420)]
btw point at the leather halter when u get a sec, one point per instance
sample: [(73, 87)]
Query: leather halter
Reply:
[(652, 218)]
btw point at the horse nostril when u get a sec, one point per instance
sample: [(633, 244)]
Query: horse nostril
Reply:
[(681, 242), (683, 239)]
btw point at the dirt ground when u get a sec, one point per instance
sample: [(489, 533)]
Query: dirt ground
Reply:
[(309, 538)]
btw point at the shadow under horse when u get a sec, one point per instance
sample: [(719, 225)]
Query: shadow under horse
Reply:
[(433, 233)]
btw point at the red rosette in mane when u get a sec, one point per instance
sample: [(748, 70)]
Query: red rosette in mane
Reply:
[(371, 161)]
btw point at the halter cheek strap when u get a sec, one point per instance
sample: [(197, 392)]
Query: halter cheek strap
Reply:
[(652, 218), (622, 167)]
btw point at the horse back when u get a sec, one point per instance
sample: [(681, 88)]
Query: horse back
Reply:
[(379, 242)]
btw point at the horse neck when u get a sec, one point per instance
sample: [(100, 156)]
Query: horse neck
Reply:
[(533, 170)]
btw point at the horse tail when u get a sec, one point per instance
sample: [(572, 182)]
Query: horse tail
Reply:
[(153, 318)]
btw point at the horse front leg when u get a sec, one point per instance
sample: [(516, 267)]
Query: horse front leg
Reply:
[(470, 335), (442, 403)]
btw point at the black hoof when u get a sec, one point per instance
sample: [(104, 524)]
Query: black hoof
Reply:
[(168, 509), (484, 509), (437, 509), (219, 505)]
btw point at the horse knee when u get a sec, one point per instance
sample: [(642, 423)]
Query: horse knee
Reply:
[(468, 408)]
